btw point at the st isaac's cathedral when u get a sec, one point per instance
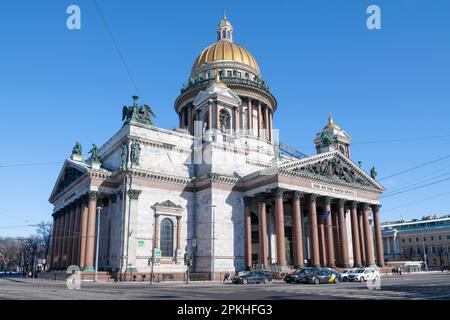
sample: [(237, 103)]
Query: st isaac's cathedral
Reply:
[(216, 194)]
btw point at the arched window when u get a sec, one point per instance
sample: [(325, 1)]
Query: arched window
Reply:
[(224, 120), (224, 34), (166, 238)]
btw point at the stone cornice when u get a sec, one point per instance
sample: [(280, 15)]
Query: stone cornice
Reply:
[(159, 145), (219, 178), (95, 174), (160, 177)]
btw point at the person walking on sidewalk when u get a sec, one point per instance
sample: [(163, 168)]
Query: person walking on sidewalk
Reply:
[(226, 277)]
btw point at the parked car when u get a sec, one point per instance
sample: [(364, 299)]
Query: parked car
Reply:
[(292, 277), (323, 276), (364, 274), (252, 277), (345, 273), (269, 274), (297, 274), (301, 278)]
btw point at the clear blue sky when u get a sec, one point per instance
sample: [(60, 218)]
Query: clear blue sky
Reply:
[(58, 86)]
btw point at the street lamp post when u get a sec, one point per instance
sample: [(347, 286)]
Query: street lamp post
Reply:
[(424, 254), (99, 209)]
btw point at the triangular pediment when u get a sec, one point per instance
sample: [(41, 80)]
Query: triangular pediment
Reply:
[(70, 172), (334, 167), (224, 94)]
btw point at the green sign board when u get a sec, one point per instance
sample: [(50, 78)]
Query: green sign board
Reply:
[(141, 243), (157, 253), (194, 242)]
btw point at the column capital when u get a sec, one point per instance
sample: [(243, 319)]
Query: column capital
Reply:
[(365, 206), (93, 195), (327, 200), (247, 201), (297, 195), (312, 197), (376, 207), (354, 204), (134, 194), (341, 202), (261, 197), (278, 192)]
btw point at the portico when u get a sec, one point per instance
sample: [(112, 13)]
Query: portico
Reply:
[(303, 202)]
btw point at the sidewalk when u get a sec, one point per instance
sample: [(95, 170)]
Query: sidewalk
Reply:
[(38, 281)]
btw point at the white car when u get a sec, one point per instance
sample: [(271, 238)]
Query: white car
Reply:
[(364, 274), (346, 272)]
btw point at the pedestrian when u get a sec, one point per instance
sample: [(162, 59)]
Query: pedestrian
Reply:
[(226, 276), (399, 271)]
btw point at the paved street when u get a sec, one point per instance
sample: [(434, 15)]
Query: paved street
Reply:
[(434, 286)]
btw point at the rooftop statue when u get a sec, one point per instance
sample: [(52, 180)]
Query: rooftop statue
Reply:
[(94, 152), (373, 173), (77, 149), (141, 114), (327, 139)]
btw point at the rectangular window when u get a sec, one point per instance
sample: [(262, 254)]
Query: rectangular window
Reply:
[(229, 74), (432, 238), (403, 240), (410, 239), (440, 237), (433, 250), (417, 239), (448, 236), (255, 237)]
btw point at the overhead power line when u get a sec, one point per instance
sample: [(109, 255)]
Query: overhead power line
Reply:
[(402, 140), (122, 58), (30, 164), (356, 143), (418, 201), (415, 167), (415, 188), (419, 182)]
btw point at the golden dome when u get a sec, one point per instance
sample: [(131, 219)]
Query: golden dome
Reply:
[(331, 124), (225, 50)]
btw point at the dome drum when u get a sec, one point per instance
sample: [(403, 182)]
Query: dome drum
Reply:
[(226, 69)]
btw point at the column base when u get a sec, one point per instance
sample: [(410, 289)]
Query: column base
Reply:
[(381, 265), (331, 265), (298, 266), (345, 266), (316, 266), (358, 265), (87, 269)]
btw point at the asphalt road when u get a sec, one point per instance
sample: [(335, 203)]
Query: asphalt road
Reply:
[(434, 286)]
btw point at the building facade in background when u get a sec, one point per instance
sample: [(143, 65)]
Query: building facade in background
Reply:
[(218, 190), (425, 240)]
